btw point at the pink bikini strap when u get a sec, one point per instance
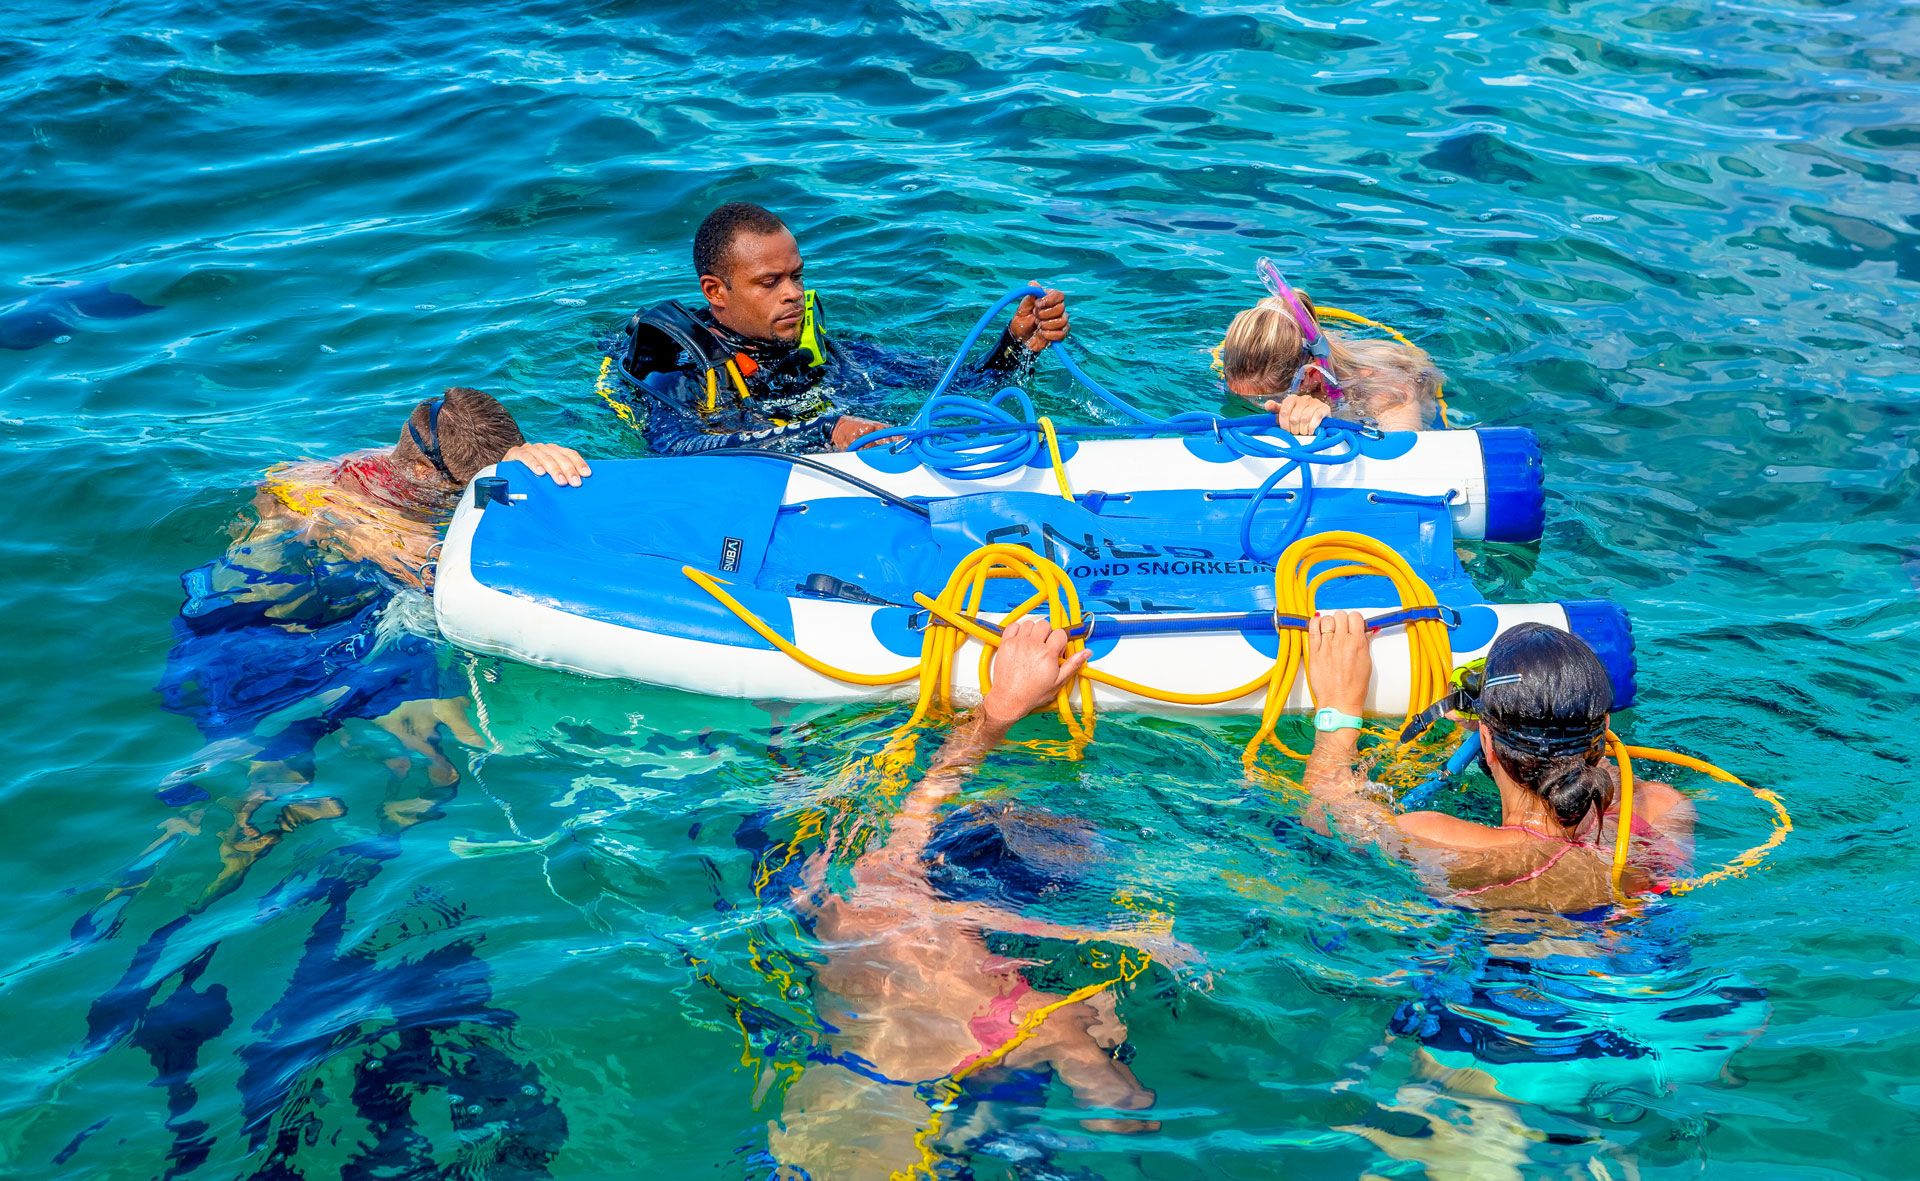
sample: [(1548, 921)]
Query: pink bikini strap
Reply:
[(1551, 862)]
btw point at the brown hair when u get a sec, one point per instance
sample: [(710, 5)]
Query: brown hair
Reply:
[(1546, 705), (475, 430)]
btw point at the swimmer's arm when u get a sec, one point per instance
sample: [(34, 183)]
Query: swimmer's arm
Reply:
[(1152, 938), (1344, 798), (1408, 415), (1341, 794), (972, 740), (1339, 668), (1029, 669), (1035, 325), (1668, 811)]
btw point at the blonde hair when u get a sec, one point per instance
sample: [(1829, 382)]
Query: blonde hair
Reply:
[(1386, 378), (1265, 347)]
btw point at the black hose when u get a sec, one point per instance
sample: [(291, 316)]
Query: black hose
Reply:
[(913, 507)]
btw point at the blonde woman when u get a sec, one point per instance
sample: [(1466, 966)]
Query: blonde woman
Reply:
[(1276, 354)]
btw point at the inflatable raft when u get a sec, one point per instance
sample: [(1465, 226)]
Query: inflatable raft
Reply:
[(1169, 542)]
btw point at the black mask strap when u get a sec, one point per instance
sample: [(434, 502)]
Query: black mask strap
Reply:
[(1548, 741), (430, 446), (1417, 725)]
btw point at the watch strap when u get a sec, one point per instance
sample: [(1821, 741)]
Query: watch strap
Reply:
[(1327, 718)]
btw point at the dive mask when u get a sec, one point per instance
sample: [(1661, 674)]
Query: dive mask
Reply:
[(1319, 351)]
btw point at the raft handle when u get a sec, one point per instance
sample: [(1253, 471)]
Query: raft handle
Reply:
[(490, 490)]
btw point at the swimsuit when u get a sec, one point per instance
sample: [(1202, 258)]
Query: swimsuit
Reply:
[(1571, 1032), (997, 1026), (1655, 846), (280, 639), (1575, 1031), (1566, 847)]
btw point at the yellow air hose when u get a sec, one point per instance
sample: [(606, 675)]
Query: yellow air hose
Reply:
[(1306, 566), (1053, 455), (1298, 578), (1782, 819), (1623, 835), (604, 388), (947, 1088)]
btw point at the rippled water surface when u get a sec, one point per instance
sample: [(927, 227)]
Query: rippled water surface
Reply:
[(1678, 240)]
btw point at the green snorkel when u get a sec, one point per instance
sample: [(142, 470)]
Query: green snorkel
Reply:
[(812, 342)]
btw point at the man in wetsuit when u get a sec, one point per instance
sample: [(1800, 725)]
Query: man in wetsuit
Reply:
[(755, 368)]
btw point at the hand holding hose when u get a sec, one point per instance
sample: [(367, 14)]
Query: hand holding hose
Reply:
[(1339, 662), (1038, 323), (1029, 671), (849, 430), (1299, 414)]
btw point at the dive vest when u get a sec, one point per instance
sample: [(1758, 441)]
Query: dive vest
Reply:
[(659, 336)]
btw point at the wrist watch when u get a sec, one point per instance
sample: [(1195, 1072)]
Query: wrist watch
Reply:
[(1328, 718)]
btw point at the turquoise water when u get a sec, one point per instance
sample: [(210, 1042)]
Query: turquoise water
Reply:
[(1678, 240)]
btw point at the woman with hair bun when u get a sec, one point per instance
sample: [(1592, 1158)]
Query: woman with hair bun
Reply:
[(1543, 711), (1522, 1032)]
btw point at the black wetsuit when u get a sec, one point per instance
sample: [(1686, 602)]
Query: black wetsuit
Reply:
[(679, 367)]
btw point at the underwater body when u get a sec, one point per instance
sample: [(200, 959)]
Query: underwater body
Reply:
[(1675, 241)]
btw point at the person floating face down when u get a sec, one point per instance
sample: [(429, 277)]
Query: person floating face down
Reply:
[(1277, 355), (911, 995), (278, 643), (755, 366)]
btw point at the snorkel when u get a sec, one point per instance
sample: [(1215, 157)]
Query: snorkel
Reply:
[(813, 330), (1546, 738), (1319, 352)]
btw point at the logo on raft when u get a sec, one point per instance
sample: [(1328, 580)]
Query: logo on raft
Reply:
[(1086, 556)]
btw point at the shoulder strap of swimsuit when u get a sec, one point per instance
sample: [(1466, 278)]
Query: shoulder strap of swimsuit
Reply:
[(1525, 877)]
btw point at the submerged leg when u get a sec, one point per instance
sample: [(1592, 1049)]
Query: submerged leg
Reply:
[(243, 843), (837, 1124)]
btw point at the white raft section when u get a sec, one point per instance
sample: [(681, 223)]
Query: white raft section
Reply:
[(481, 619), (1440, 463)]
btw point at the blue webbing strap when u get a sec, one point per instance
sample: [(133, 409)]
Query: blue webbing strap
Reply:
[(1172, 625), (1439, 611)]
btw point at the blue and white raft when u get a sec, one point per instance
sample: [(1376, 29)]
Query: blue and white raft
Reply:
[(1170, 543)]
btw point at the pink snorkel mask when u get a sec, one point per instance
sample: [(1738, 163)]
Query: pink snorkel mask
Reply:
[(1319, 352)]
